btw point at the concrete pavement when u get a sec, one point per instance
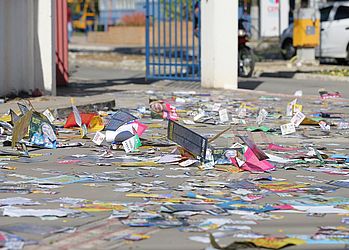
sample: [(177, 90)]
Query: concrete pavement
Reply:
[(98, 232), (98, 80), (128, 89), (90, 86)]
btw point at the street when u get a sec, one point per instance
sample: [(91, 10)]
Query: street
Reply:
[(117, 200), (174, 125), (96, 80)]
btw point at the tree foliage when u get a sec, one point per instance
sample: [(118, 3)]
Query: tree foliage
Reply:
[(178, 8)]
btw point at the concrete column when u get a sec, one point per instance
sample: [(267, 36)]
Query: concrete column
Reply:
[(46, 42), (219, 44), (26, 46)]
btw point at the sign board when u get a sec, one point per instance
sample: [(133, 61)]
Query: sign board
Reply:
[(273, 17), (188, 139)]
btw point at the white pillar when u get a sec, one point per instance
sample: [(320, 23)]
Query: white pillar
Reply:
[(219, 44), (27, 53), (46, 42)]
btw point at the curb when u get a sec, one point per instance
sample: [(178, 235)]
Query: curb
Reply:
[(125, 64), (63, 107), (301, 76), (140, 66), (64, 112), (307, 76)]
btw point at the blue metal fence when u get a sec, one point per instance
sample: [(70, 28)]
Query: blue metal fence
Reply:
[(173, 40)]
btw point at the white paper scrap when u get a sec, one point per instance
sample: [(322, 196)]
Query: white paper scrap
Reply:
[(49, 115), (298, 93), (20, 212), (188, 163), (262, 115), (297, 119), (188, 122), (98, 138), (223, 115), (77, 115), (288, 128), (289, 109), (216, 107)]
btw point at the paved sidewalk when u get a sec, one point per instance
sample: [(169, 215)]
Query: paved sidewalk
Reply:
[(94, 80), (91, 85), (97, 231), (269, 61)]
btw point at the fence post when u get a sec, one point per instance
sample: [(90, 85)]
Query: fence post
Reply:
[(219, 44)]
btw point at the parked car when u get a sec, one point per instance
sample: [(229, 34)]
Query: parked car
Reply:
[(334, 34)]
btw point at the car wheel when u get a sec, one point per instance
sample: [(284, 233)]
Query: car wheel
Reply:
[(287, 49), (344, 61)]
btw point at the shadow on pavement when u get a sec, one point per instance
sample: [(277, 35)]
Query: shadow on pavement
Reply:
[(119, 50), (278, 74), (249, 84), (95, 87)]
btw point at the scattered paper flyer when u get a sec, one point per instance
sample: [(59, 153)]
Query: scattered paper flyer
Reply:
[(132, 144), (99, 138), (288, 128), (297, 119)]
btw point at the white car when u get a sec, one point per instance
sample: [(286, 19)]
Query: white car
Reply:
[(334, 34)]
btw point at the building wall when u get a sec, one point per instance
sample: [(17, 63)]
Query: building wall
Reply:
[(111, 11), (26, 46)]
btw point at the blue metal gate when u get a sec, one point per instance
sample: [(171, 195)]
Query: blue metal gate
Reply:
[(173, 40)]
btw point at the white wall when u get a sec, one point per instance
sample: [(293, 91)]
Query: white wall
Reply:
[(27, 53)]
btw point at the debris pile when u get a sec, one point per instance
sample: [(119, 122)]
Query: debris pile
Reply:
[(218, 168)]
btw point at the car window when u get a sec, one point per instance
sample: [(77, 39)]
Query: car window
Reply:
[(342, 13), (325, 13)]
